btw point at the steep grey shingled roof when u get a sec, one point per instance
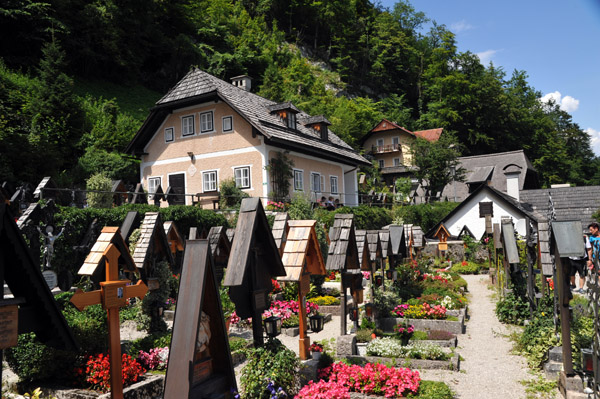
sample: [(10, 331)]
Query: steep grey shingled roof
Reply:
[(255, 109), (570, 203), (478, 168)]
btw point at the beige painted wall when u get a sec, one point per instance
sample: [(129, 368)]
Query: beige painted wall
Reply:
[(325, 168), (217, 150), (200, 143), (405, 141)]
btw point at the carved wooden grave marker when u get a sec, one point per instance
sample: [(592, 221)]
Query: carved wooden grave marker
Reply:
[(131, 222), (343, 256), (220, 248), (253, 262), (397, 245), (33, 308), (364, 256), (511, 252), (176, 243), (280, 230), (152, 246), (109, 251), (384, 241), (302, 258), (567, 242), (199, 358), (375, 256), (442, 235)]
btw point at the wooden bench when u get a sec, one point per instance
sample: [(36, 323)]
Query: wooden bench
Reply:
[(207, 198)]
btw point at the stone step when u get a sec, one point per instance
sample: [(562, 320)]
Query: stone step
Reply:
[(552, 369), (555, 354)]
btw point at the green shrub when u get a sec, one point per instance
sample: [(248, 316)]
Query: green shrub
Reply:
[(154, 340), (433, 390), (363, 335), (292, 321), (230, 196), (273, 361), (365, 217), (512, 309), (157, 298), (290, 291), (424, 215), (102, 199), (419, 336), (469, 268), (238, 344)]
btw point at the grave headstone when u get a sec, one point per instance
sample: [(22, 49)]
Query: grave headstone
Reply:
[(200, 363)]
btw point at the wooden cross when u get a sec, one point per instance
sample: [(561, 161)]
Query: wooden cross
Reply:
[(113, 294)]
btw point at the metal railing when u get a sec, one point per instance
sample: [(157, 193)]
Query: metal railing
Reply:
[(379, 149)]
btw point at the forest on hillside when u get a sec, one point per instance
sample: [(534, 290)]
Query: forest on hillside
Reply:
[(351, 60)]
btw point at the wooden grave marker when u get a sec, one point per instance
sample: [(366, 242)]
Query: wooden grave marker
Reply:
[(200, 363), (109, 251), (152, 246), (342, 256), (442, 235), (567, 242), (397, 247), (32, 308), (511, 252), (364, 256), (302, 258), (253, 262), (280, 230), (220, 248), (384, 242)]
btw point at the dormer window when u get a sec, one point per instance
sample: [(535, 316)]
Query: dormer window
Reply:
[(287, 112), (319, 124)]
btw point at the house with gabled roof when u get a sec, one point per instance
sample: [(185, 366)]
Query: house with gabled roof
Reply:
[(390, 145), (206, 130)]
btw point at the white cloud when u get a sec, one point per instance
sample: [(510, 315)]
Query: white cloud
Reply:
[(460, 26), (594, 139), (566, 103), (486, 56)]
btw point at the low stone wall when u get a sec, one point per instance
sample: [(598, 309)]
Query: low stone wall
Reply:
[(150, 387), (420, 364), (455, 327), (334, 310)]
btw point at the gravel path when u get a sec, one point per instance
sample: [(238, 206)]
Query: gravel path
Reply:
[(488, 369)]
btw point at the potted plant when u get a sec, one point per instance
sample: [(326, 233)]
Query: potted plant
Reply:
[(315, 350), (404, 332)]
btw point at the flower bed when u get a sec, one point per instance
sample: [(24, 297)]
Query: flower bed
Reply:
[(370, 379), (418, 364), (391, 347), (456, 327)]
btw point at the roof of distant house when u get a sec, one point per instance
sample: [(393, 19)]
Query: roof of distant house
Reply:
[(570, 203), (198, 87), (386, 125), (479, 169)]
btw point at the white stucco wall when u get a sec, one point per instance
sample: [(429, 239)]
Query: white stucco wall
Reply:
[(469, 215)]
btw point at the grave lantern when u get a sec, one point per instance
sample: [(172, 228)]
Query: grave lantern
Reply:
[(253, 262), (379, 280), (397, 246), (317, 322), (33, 308), (200, 363), (302, 258), (376, 253), (389, 274), (272, 326), (343, 256), (354, 313), (369, 309), (587, 360)]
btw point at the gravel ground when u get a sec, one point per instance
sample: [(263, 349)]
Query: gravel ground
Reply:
[(488, 369)]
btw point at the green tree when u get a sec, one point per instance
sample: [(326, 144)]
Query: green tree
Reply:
[(437, 164)]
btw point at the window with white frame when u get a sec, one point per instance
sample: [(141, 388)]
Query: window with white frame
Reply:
[(227, 123), (298, 180), (209, 181), (187, 125), (333, 182), (397, 162), (169, 135), (395, 141), (153, 184), (381, 163), (291, 120), (315, 182), (206, 122), (379, 142), (242, 177)]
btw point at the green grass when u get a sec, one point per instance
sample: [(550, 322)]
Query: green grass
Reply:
[(135, 100)]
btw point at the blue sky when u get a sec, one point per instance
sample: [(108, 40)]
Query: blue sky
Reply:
[(557, 42)]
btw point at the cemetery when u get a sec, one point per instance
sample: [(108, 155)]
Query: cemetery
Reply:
[(271, 304)]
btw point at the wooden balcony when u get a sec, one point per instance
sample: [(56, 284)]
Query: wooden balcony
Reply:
[(381, 149)]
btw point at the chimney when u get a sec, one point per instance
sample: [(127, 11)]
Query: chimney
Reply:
[(512, 184), (244, 82)]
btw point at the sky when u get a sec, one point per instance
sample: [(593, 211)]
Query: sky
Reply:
[(557, 42)]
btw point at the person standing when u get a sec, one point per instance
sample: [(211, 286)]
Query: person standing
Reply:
[(578, 266), (594, 249)]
